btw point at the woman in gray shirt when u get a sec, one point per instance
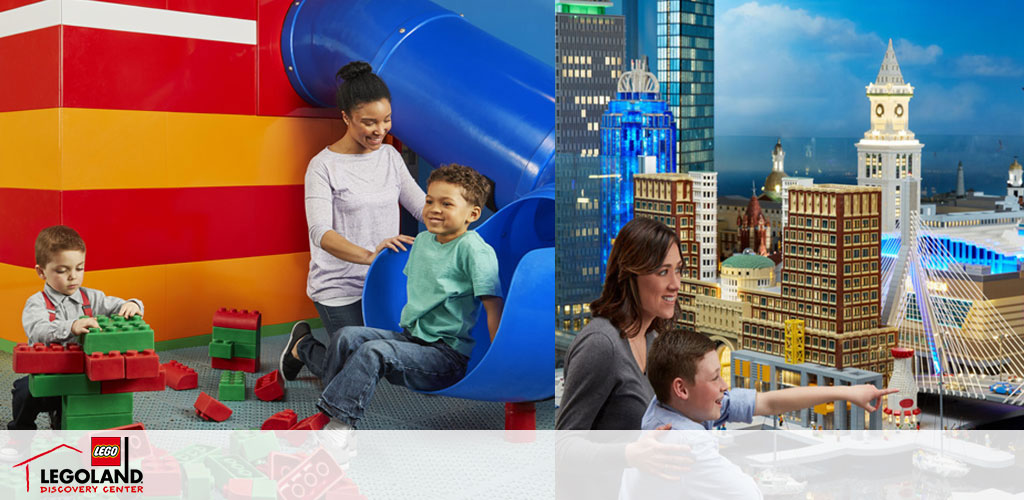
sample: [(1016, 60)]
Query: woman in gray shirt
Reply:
[(606, 386), (353, 189)]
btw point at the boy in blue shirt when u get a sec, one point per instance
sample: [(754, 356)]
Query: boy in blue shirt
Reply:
[(451, 271), (60, 313), (690, 395)]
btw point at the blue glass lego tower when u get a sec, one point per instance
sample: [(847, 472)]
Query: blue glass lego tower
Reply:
[(638, 135)]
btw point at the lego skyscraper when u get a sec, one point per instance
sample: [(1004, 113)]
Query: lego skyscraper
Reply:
[(686, 33), (589, 52)]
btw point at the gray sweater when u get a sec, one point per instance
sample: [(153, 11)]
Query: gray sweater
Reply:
[(604, 387), (604, 390)]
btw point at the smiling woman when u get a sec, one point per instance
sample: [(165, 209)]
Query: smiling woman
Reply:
[(352, 188)]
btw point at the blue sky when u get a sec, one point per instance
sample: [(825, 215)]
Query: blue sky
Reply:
[(799, 68)]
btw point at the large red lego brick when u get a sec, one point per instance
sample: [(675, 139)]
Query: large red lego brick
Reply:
[(233, 318), (345, 489), (311, 478), (145, 364), (313, 422), (210, 409), (35, 83), (134, 385), (180, 377), (236, 364), (282, 420), (53, 358), (109, 366), (269, 387), (280, 464)]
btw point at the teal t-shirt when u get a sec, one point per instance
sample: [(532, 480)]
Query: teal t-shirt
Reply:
[(444, 282)]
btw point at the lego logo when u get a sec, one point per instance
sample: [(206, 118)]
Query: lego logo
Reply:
[(106, 451)]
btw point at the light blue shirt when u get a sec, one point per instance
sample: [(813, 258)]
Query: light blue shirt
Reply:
[(737, 406)]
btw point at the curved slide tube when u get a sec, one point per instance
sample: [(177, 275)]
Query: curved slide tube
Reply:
[(458, 94), (518, 366)]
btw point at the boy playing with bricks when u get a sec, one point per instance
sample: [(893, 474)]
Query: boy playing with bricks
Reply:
[(691, 395), (60, 313), (450, 271)]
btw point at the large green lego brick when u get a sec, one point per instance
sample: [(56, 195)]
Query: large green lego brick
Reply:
[(221, 349), (232, 386), (253, 445), (225, 467), (86, 422), (196, 453), (118, 334), (61, 384), (250, 337), (97, 404), (197, 480)]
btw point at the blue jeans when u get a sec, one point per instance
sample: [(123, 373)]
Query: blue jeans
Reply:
[(337, 317), (359, 356)]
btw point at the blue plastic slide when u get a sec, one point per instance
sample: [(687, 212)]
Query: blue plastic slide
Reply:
[(457, 95)]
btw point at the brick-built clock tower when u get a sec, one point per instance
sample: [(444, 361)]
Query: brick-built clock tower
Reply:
[(888, 153)]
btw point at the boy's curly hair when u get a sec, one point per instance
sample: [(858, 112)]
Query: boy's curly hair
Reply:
[(55, 239), (475, 187)]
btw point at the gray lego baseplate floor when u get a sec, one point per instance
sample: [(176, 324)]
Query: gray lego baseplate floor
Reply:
[(392, 407)]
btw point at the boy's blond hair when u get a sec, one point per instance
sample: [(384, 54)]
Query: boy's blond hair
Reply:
[(475, 187), (56, 239)]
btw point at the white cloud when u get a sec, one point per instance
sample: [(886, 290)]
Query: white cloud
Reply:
[(981, 65), (910, 54)]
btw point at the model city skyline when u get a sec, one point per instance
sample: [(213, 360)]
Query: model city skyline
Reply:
[(847, 322)]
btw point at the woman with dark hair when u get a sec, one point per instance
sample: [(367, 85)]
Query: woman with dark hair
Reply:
[(606, 386), (353, 189)]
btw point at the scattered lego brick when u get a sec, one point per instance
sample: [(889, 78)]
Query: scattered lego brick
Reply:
[(311, 478), (221, 349), (254, 489), (282, 420), (232, 386), (141, 364), (345, 489), (227, 467), (280, 464), (195, 453), (269, 387), (198, 481), (313, 422), (86, 422), (211, 409), (118, 334), (236, 364), (134, 384), (137, 426), (99, 366), (233, 318), (53, 358), (252, 445), (163, 476), (43, 385), (180, 376), (97, 404)]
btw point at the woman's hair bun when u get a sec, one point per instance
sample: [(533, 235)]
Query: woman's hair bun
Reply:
[(354, 69)]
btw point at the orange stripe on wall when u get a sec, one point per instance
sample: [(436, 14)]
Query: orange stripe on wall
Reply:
[(29, 149), (117, 149), (180, 299)]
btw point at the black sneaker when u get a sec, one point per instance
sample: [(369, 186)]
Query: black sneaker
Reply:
[(290, 365)]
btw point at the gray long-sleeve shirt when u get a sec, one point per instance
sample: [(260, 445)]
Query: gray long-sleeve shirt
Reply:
[(604, 390), (356, 195), (36, 320)]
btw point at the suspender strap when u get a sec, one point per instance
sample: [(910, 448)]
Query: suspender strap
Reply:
[(86, 306), (52, 309)]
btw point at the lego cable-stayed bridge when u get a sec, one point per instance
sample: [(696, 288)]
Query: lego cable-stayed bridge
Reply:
[(962, 344)]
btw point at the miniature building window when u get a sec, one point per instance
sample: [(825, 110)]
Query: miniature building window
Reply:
[(831, 358), (846, 359), (831, 344)]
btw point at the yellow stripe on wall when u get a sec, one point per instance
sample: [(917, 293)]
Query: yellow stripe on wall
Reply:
[(119, 149), (30, 149), (180, 299)]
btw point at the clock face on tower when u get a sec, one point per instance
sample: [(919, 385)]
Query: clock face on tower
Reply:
[(879, 109), (899, 110)]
